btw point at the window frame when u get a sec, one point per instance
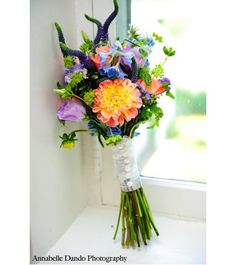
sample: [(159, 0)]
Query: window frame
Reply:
[(174, 198)]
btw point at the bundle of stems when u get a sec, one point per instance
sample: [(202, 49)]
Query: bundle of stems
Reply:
[(136, 219)]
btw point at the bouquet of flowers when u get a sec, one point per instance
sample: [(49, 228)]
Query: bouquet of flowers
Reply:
[(112, 86)]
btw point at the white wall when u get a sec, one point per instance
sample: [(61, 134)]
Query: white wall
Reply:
[(58, 188)]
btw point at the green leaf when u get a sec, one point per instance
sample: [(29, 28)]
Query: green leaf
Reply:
[(72, 135), (145, 75), (133, 32), (63, 122), (148, 79), (143, 53), (68, 61), (168, 51), (170, 95), (85, 37), (157, 37), (59, 91), (59, 85), (76, 78)]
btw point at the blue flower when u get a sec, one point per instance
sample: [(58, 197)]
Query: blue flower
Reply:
[(92, 127), (136, 134), (150, 42), (113, 131), (115, 71), (102, 72), (147, 63), (103, 58), (112, 72)]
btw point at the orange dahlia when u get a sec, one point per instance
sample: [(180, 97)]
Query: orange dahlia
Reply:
[(116, 101)]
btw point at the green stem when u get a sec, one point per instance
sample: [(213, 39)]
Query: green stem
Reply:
[(128, 233), (118, 221), (148, 213), (78, 97), (131, 134), (83, 130), (139, 218), (137, 201), (123, 224), (145, 221), (131, 220), (135, 44), (100, 140), (164, 60), (135, 208)]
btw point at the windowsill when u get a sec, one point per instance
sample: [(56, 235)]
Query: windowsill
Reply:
[(180, 242), (173, 183)]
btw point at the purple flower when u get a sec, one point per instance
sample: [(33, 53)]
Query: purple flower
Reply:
[(133, 52), (165, 80), (148, 96), (144, 92), (75, 69), (71, 111)]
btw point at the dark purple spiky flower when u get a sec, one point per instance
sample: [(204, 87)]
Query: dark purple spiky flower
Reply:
[(102, 32), (60, 37)]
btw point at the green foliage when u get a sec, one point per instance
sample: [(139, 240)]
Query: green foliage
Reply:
[(158, 71), (114, 139), (145, 75), (64, 47), (68, 61), (65, 92), (89, 97), (63, 122), (68, 139), (168, 51), (59, 85), (150, 101), (143, 53), (133, 32), (76, 78), (158, 114), (85, 37), (169, 94), (157, 37), (87, 46), (151, 113)]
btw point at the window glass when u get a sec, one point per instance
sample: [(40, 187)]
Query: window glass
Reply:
[(177, 148)]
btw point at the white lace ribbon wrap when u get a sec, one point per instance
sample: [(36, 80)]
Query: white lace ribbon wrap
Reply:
[(126, 165)]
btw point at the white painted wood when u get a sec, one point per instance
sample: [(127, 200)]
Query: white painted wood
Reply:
[(180, 242), (58, 190)]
